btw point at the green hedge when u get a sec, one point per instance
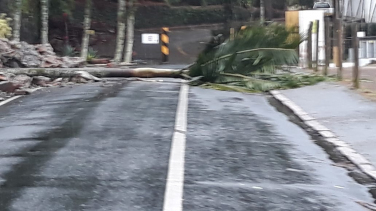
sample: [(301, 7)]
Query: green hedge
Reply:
[(157, 16), (152, 16)]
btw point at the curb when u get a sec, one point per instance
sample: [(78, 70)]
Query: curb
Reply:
[(357, 159)]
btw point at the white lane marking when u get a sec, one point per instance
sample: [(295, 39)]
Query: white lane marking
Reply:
[(181, 113), (173, 198), (9, 100)]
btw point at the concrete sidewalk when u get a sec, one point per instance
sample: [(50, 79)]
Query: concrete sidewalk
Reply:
[(351, 117), (367, 79)]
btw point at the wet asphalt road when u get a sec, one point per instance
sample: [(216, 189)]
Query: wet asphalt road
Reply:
[(95, 147)]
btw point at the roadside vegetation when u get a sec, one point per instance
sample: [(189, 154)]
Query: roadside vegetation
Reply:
[(5, 29)]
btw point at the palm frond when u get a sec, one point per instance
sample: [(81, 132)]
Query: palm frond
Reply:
[(249, 62), (249, 82)]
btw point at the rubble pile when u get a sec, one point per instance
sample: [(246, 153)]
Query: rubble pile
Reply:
[(23, 55), (11, 84)]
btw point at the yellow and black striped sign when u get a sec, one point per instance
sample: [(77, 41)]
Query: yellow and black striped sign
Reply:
[(165, 41)]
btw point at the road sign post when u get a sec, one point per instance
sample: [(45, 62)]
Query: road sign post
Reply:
[(164, 47)]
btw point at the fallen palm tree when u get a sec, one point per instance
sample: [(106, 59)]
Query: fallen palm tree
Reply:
[(97, 72), (253, 60), (20, 81)]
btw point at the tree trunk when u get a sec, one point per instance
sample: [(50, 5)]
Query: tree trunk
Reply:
[(130, 32), (44, 21), (262, 11), (228, 10), (268, 9), (85, 35), (17, 20), (104, 72), (120, 31)]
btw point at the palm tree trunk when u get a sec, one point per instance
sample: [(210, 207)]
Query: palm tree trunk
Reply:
[(98, 72), (130, 32), (120, 31), (262, 11), (85, 36), (17, 20), (44, 21)]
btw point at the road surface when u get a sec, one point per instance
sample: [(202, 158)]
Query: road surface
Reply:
[(100, 147)]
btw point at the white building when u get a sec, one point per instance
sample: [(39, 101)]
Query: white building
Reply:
[(359, 9)]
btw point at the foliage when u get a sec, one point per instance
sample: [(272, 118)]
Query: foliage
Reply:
[(5, 29), (266, 82), (69, 51), (176, 16), (301, 3), (91, 54), (58, 7), (164, 15), (250, 61)]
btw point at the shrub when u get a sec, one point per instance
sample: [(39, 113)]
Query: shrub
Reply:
[(5, 29)]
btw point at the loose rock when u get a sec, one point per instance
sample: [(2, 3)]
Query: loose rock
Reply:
[(82, 80), (23, 92), (41, 80), (87, 76), (58, 80), (21, 54), (7, 86), (22, 80), (3, 77)]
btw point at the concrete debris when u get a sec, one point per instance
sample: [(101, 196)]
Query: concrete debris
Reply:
[(41, 81), (4, 95), (8, 87), (23, 84), (3, 77), (23, 55), (87, 76), (22, 80), (23, 92)]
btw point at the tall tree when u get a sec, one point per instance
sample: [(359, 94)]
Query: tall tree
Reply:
[(228, 9), (268, 9), (87, 23), (262, 11), (44, 20), (120, 31), (130, 31), (17, 20)]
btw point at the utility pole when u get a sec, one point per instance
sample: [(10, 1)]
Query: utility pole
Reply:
[(337, 38), (327, 45), (309, 45), (355, 44), (340, 40), (317, 45)]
